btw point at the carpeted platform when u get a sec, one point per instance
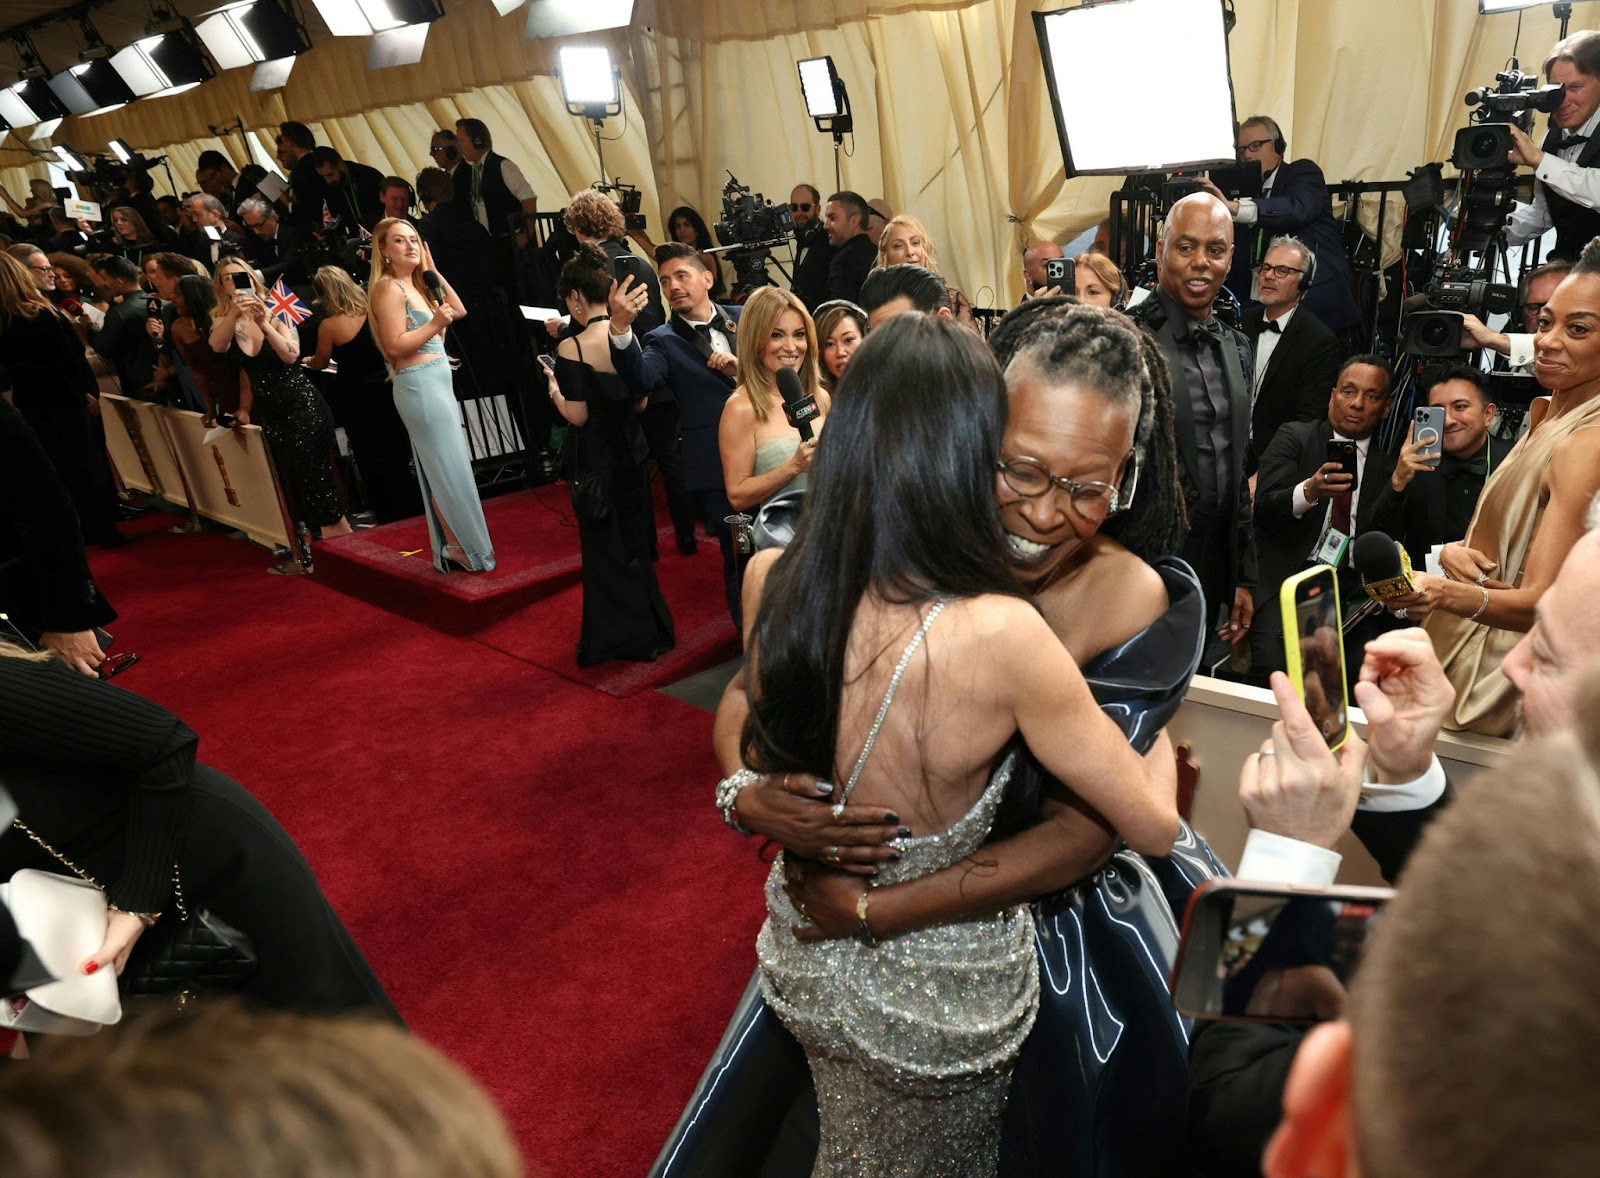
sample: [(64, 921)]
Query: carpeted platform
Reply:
[(531, 604)]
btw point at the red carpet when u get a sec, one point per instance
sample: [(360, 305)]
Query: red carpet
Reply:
[(537, 561), (534, 868)]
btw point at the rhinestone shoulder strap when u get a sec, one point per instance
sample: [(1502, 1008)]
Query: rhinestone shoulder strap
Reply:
[(888, 696)]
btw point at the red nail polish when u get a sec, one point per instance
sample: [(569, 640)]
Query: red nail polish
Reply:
[(91, 967)]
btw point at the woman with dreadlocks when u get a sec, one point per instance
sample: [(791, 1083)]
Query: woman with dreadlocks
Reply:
[(1088, 490)]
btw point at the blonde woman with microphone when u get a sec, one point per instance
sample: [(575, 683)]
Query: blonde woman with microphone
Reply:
[(410, 306)]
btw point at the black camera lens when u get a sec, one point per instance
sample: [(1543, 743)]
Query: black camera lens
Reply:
[(1437, 333)]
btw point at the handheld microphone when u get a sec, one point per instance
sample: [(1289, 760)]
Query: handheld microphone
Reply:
[(435, 284), (1383, 566), (72, 307), (797, 407)]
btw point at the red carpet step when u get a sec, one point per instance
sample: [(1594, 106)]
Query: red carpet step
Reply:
[(531, 604)]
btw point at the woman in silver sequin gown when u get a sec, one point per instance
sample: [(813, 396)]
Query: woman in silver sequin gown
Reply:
[(910, 1039)]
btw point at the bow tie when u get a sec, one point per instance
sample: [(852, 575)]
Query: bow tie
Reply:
[(1476, 466), (1274, 326), (1209, 329), (1571, 141)]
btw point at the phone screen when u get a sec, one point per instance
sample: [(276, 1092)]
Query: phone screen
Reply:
[(240, 279), (1317, 633), (549, 362)]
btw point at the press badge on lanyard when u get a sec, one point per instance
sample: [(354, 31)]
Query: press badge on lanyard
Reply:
[(1333, 546)]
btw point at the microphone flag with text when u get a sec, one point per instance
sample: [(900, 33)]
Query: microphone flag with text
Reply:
[(797, 407)]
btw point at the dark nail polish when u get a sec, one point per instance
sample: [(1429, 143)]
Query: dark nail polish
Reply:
[(891, 818), (894, 856), (903, 833)]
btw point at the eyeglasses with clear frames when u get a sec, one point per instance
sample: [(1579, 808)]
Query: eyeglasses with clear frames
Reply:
[(1093, 500), (1277, 271)]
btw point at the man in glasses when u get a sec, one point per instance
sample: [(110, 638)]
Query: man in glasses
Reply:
[(1294, 199), (1297, 356), (444, 152), (1534, 291), (812, 253)]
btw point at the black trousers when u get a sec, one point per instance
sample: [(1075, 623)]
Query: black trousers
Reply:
[(77, 451), (715, 506), (1209, 551), (660, 424)]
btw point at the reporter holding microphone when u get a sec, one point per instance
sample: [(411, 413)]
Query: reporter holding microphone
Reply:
[(410, 307), (763, 455)]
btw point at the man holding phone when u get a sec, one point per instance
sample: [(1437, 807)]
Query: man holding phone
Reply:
[(1318, 489), (1435, 488)]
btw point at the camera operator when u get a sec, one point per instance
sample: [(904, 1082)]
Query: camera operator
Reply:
[(206, 213), (1566, 188), (1517, 347), (275, 249), (812, 253), (1294, 200)]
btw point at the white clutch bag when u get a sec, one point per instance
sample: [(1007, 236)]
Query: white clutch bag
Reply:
[(64, 919)]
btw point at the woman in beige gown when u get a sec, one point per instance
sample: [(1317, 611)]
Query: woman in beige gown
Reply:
[(1528, 518)]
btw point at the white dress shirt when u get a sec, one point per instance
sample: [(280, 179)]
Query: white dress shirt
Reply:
[(1248, 213), (1267, 343), (514, 180), (1558, 172), (1273, 858), (1302, 504), (622, 341)]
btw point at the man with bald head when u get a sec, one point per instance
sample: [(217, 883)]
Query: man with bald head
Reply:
[(1034, 281), (1211, 366), (879, 214)]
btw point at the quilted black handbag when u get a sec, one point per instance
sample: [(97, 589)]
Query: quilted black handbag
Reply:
[(195, 953)]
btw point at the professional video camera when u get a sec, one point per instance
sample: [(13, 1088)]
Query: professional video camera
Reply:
[(1489, 181), (1433, 324), (629, 199), (751, 225)]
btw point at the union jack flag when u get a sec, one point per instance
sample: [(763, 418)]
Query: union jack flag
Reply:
[(282, 302)]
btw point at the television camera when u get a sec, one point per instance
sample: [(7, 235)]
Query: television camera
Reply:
[(750, 227), (629, 199)]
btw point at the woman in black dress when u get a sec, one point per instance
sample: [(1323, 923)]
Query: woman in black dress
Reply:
[(109, 780), (297, 422), (363, 397), (54, 389), (624, 614)]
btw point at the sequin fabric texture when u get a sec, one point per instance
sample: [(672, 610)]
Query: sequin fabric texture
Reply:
[(910, 1041)]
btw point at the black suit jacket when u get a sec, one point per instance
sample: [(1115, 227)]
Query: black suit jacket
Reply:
[(1285, 542), (1300, 374), (851, 263), (357, 195), (461, 247), (282, 256), (309, 192), (1152, 316), (813, 257), (197, 245), (1300, 205), (1418, 513)]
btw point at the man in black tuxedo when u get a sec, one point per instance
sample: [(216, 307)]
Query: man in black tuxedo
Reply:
[(206, 212), (275, 249), (1436, 499), (1211, 369), (1294, 199), (353, 189), (1297, 357), (307, 192), (1566, 188), (692, 358), (1301, 498), (845, 221), (812, 253)]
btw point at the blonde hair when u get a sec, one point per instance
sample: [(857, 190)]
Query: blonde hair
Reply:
[(930, 252), (224, 290), (19, 295), (762, 311), (380, 271), (1106, 271), (223, 1091), (338, 292)]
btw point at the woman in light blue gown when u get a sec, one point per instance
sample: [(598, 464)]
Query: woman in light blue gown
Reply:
[(409, 324)]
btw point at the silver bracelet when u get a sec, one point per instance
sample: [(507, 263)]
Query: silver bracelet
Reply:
[(1483, 606), (728, 798)]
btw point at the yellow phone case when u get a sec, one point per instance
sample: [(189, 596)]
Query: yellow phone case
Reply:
[(1288, 602)]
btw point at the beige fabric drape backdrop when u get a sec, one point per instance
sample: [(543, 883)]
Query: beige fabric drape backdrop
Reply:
[(952, 120)]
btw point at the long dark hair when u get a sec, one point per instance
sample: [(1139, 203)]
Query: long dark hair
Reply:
[(900, 503), (1105, 351), (702, 235), (200, 299)]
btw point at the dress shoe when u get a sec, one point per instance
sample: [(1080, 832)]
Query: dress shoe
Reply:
[(687, 545)]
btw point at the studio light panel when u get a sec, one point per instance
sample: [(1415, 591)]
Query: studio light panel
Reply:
[(362, 18), (91, 88), (818, 83), (168, 63), (587, 76), (1185, 124)]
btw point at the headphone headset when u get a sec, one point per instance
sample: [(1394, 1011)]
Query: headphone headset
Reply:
[(1310, 270), (477, 133), (1271, 124)]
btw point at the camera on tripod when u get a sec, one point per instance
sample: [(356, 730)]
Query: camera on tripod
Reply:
[(750, 220), (1512, 99), (629, 199)]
